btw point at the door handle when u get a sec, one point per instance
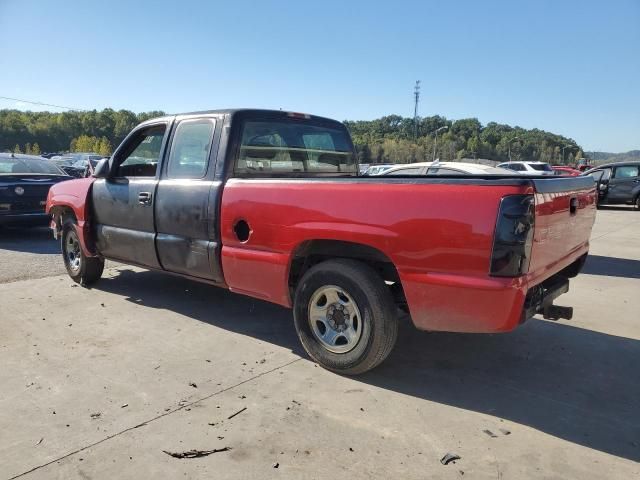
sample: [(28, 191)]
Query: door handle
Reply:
[(144, 198)]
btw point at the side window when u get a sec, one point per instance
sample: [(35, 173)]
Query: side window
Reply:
[(444, 171), (597, 175), (406, 171), (627, 171), (142, 153), (190, 149)]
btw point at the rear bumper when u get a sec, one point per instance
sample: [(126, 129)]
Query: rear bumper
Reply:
[(453, 303), (17, 219)]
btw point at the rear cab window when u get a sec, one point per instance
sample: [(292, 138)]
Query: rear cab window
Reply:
[(292, 147)]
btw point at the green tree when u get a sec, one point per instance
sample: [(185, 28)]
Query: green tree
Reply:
[(16, 149), (104, 147), (27, 149), (35, 149)]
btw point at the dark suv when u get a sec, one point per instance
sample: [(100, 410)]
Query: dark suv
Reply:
[(618, 183)]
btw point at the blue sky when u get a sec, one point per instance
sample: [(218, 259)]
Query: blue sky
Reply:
[(571, 67)]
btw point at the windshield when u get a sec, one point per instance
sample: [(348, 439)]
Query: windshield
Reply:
[(541, 167), (28, 165)]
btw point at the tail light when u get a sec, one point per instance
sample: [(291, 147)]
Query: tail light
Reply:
[(513, 237)]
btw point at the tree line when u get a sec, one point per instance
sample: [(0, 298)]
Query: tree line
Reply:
[(93, 131), (392, 138), (397, 139)]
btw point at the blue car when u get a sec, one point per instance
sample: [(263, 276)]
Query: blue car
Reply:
[(24, 184)]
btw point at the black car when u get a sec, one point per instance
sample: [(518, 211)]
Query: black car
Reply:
[(618, 183), (24, 184)]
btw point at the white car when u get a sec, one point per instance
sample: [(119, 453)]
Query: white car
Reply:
[(446, 168), (529, 168), (378, 169)]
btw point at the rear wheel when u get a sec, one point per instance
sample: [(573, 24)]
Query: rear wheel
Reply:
[(637, 203), (345, 316), (82, 269)]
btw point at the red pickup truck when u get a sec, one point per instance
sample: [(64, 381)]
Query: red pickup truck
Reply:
[(270, 204)]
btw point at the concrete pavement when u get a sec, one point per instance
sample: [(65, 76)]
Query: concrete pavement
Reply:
[(97, 383)]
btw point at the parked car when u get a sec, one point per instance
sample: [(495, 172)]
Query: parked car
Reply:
[(564, 170), (378, 168), (79, 165), (85, 167), (529, 168), (50, 155), (24, 184), (446, 168), (618, 183), (269, 204)]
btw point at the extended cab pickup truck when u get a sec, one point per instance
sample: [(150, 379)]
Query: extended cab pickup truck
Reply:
[(269, 204)]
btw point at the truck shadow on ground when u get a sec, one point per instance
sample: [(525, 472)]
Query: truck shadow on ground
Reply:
[(612, 266), (29, 240), (576, 384)]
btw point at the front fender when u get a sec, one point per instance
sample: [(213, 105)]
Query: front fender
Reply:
[(73, 198)]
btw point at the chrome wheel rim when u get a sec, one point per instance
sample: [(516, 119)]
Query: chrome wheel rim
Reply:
[(72, 252), (335, 319)]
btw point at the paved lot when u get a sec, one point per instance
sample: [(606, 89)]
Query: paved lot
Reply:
[(96, 383)]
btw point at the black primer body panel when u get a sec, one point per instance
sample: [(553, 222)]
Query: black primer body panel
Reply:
[(124, 227), (186, 226)]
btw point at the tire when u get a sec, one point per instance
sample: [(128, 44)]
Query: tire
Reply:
[(82, 269), (637, 203), (345, 316)]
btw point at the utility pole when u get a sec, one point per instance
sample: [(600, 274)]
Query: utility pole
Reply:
[(416, 96), (435, 143)]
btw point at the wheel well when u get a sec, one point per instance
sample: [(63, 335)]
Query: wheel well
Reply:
[(312, 252), (60, 213)]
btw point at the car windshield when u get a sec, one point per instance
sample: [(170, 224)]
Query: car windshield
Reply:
[(28, 165), (541, 167)]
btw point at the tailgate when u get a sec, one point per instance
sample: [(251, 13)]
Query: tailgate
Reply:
[(565, 212)]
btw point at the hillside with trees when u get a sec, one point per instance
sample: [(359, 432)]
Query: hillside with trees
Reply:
[(96, 131), (393, 139), (388, 139), (608, 157)]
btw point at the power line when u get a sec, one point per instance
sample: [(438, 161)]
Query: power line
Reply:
[(39, 103)]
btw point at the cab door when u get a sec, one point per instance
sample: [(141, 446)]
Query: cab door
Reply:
[(621, 186), (187, 199), (123, 202)]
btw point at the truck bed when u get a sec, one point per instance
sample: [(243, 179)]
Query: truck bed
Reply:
[(437, 232)]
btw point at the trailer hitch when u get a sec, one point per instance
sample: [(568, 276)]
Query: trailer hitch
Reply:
[(556, 312)]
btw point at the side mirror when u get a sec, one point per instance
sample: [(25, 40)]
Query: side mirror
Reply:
[(102, 169)]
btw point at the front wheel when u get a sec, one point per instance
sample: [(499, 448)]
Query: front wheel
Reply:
[(637, 203), (345, 316), (82, 269)]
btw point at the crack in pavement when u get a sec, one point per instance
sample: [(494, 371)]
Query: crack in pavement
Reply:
[(157, 417)]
